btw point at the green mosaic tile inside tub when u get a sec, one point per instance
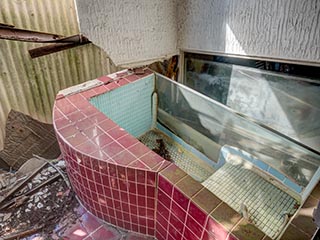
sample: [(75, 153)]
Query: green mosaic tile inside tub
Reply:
[(187, 161), (266, 204), (130, 106)]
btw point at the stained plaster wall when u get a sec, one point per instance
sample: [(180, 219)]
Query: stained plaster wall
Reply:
[(130, 31), (273, 28)]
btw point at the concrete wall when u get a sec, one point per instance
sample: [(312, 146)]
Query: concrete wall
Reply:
[(130, 31), (273, 28)]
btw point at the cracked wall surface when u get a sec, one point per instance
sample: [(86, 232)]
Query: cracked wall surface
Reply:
[(130, 31)]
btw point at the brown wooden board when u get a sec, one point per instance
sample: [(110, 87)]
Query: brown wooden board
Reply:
[(26, 136)]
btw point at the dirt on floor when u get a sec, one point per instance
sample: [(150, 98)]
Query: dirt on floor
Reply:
[(40, 201)]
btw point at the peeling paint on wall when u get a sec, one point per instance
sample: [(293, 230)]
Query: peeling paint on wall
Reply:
[(30, 85)]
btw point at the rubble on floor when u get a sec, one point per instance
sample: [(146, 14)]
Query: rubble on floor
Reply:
[(37, 203), (26, 136), (36, 200)]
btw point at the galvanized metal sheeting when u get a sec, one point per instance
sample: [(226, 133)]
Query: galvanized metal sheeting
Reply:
[(30, 85)]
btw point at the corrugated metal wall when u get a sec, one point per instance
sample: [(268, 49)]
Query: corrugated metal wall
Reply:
[(30, 85)]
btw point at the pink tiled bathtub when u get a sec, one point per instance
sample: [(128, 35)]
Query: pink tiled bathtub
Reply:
[(123, 182)]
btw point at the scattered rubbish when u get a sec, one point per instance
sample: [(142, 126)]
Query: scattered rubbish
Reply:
[(26, 136), (40, 202)]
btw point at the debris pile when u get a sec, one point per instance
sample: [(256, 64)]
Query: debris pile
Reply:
[(36, 201), (162, 150)]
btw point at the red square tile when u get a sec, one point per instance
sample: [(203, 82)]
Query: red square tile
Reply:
[(124, 185), (134, 211), (151, 159), (161, 231), (100, 89), (151, 231), (112, 170), (151, 191), (127, 141), (125, 209), (188, 234), (112, 149), (178, 225), (87, 147), (194, 226), (197, 214), (164, 211), (83, 124), (162, 165), (132, 78), (163, 198), (142, 230), (114, 184), (151, 202), (89, 175), (76, 116), (216, 229), (207, 236), (151, 178), (76, 139), (138, 165), (117, 132), (142, 213), (88, 93), (139, 150), (150, 213), (124, 197), (104, 79), (113, 221), (124, 158), (107, 125), (76, 98), (99, 156), (103, 166), (65, 106), (89, 110), (141, 188), (107, 191), (122, 82), (121, 172), (132, 199), (141, 176), (178, 211), (132, 188), (92, 132), (119, 215), (176, 234), (180, 198), (102, 139), (62, 123), (127, 225), (112, 213), (135, 227), (100, 189), (142, 201), (112, 85), (68, 131), (131, 174), (98, 118), (165, 185)]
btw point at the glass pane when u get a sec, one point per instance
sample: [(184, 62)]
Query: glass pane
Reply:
[(286, 103), (225, 127)]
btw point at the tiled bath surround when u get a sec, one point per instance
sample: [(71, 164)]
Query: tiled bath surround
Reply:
[(123, 182)]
